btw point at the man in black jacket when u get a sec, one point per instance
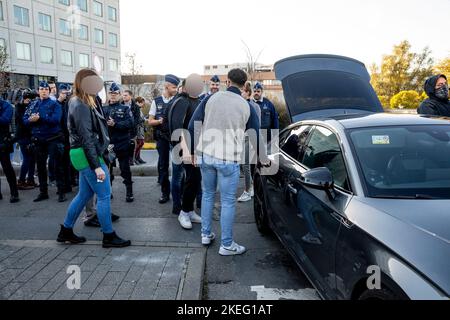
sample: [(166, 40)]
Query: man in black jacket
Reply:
[(438, 103), (128, 100)]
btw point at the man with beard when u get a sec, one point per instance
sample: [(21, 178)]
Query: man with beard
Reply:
[(269, 115), (214, 87)]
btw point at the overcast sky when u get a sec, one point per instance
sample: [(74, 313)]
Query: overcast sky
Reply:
[(181, 36)]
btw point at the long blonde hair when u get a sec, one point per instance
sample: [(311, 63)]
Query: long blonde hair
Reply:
[(78, 87)]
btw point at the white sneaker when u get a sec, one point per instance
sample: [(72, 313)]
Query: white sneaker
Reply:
[(194, 217), (246, 197), (251, 192), (184, 220), (232, 250), (207, 240)]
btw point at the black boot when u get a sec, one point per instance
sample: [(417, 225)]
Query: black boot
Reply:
[(61, 196), (42, 197), (14, 198), (130, 196), (67, 235), (1, 196), (111, 240), (114, 217), (93, 222)]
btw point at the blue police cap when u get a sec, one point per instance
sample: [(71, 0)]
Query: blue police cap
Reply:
[(114, 87), (258, 86), (215, 79), (64, 86), (44, 84), (172, 79)]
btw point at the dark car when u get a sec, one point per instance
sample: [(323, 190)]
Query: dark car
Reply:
[(361, 199)]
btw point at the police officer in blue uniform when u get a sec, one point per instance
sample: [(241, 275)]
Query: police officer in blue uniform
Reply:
[(269, 115), (159, 121), (44, 117), (6, 148), (121, 123), (214, 87)]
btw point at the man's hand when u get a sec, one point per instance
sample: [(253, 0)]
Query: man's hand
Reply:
[(111, 122), (62, 97), (34, 118), (194, 161)]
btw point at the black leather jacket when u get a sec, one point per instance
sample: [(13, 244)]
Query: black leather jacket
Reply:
[(88, 130)]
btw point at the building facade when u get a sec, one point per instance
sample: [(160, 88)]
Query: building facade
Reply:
[(53, 39)]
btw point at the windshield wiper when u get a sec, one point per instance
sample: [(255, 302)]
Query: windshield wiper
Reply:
[(416, 197)]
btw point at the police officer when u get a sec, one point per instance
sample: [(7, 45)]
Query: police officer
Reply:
[(6, 148), (121, 124), (269, 115), (158, 120), (214, 87), (44, 118), (128, 100)]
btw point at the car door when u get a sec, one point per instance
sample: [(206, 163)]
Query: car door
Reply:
[(316, 216)]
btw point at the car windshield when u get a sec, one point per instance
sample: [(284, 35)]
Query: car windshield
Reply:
[(411, 162), (318, 90)]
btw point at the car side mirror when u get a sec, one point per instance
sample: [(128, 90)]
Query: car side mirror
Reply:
[(319, 178)]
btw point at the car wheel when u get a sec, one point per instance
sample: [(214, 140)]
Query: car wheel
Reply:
[(260, 208), (382, 294)]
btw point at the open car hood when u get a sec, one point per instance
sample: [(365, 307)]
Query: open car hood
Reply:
[(317, 86)]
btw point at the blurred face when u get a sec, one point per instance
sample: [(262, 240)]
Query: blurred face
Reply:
[(44, 93), (171, 89), (257, 94), (126, 97), (26, 101), (140, 104), (246, 95), (114, 97), (214, 87), (440, 83), (53, 88)]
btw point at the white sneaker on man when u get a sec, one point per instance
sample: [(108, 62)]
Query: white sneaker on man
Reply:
[(246, 197), (207, 240), (194, 217), (185, 221), (232, 250)]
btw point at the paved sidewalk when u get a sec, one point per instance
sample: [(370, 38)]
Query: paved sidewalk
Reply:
[(37, 270)]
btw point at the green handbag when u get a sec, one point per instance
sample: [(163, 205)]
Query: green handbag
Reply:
[(79, 160)]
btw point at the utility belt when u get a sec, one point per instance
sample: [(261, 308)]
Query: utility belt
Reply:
[(162, 135)]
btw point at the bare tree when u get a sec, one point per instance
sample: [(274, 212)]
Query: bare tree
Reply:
[(135, 73), (4, 71), (252, 61)]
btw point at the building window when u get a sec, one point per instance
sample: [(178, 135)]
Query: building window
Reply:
[(98, 8), (65, 2), (21, 17), (83, 32), (46, 55), (45, 22), (2, 43), (207, 68), (99, 36), (66, 58), (23, 51), (214, 67), (113, 65), (113, 40), (82, 4), (112, 14), (84, 60), (1, 11), (64, 28)]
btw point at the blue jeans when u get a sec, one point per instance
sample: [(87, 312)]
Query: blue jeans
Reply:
[(177, 184), (226, 175), (88, 187), (29, 162)]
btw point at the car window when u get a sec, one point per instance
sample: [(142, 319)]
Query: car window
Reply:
[(323, 150), (294, 143)]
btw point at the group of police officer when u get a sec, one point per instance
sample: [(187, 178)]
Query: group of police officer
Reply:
[(158, 119), (38, 123)]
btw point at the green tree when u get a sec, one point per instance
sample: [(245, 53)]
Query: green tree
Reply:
[(406, 100), (402, 70)]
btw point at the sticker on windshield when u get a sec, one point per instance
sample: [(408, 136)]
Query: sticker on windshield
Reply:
[(381, 140)]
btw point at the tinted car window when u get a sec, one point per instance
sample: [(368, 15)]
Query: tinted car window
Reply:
[(295, 142), (323, 150), (318, 90), (409, 161)]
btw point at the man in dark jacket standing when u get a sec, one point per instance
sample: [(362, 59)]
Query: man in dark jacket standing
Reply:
[(6, 147), (128, 101), (44, 118), (438, 103), (120, 122)]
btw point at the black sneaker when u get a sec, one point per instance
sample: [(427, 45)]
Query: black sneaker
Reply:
[(114, 217), (1, 196), (112, 240), (94, 223), (62, 197), (164, 199), (14, 199), (42, 197)]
